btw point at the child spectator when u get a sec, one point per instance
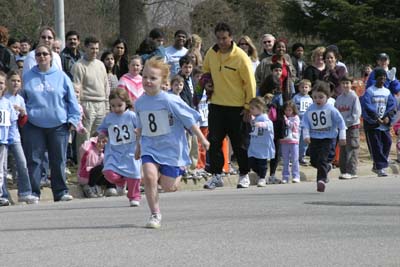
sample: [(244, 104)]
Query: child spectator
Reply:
[(303, 100), (261, 147), (109, 62), (177, 85), (378, 112), (14, 145), (162, 144), (8, 127), (290, 142), (349, 106), (131, 82), (119, 128), (321, 123)]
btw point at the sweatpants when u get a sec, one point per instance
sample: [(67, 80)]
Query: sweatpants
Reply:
[(379, 143), (259, 166), (348, 159), (118, 180), (319, 150)]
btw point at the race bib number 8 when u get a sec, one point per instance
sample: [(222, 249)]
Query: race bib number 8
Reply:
[(155, 123), (320, 119), (5, 119), (121, 134)]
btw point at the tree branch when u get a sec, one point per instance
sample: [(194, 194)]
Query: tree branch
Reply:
[(148, 3)]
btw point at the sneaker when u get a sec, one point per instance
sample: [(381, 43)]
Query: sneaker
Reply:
[(296, 180), (67, 171), (262, 182), (98, 190), (111, 192), (273, 180), (302, 162), (121, 191), (244, 181), (345, 176), (285, 181), (29, 199), (4, 202), (374, 170), (354, 176), (382, 173), (45, 183), (134, 203), (89, 191), (66, 197), (215, 181), (232, 170), (321, 186), (154, 221)]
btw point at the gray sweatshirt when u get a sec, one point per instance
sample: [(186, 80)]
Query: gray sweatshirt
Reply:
[(349, 106)]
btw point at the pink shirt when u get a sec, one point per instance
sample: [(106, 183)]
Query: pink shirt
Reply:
[(132, 84)]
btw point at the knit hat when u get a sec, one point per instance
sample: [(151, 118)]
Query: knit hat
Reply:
[(379, 72)]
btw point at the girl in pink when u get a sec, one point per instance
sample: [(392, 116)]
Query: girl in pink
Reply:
[(290, 142), (131, 82)]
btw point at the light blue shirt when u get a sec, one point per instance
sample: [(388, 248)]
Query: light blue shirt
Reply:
[(163, 119), (302, 103), (119, 153), (172, 56), (262, 139), (16, 100), (8, 121)]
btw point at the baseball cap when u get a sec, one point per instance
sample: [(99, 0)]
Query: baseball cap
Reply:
[(383, 56)]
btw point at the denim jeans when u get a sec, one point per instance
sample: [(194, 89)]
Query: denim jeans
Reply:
[(24, 183), (36, 141), (3, 158)]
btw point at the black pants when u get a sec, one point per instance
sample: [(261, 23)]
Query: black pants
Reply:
[(96, 177), (273, 163), (259, 166), (222, 121), (319, 150)]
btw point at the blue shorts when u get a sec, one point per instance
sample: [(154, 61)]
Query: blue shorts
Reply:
[(171, 171)]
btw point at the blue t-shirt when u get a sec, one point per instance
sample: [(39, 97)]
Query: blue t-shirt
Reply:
[(8, 121), (163, 119), (323, 121), (16, 100), (119, 153), (262, 139), (302, 103)]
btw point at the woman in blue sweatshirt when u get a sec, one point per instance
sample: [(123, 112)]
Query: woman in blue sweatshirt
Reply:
[(52, 110)]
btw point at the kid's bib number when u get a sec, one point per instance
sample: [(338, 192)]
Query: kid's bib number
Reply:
[(381, 108), (155, 123), (5, 118), (257, 131), (121, 134), (320, 119), (304, 104)]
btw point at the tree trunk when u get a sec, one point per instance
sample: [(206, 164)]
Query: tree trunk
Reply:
[(132, 23)]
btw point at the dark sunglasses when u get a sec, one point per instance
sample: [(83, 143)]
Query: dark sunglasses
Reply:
[(268, 41), (243, 44), (39, 54), (46, 37)]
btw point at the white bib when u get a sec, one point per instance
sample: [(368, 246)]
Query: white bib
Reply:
[(155, 123), (304, 104), (5, 119), (121, 134), (320, 119)]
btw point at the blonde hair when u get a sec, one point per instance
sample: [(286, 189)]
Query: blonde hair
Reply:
[(196, 41), (304, 82), (320, 50), (161, 65), (258, 102), (252, 48)]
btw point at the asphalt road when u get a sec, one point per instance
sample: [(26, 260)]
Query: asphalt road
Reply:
[(354, 223)]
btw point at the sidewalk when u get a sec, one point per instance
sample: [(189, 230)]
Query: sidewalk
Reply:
[(308, 174)]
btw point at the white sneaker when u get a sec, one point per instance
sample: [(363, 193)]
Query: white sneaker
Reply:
[(382, 173), (134, 203), (4, 202), (111, 192), (285, 180), (244, 181), (89, 191), (215, 181), (154, 221), (29, 199), (345, 176), (98, 189), (261, 182), (66, 197), (296, 180), (121, 190)]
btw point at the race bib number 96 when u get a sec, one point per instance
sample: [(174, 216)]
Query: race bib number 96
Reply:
[(155, 123), (320, 119)]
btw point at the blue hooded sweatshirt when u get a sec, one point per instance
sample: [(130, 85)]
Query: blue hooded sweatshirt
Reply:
[(50, 98)]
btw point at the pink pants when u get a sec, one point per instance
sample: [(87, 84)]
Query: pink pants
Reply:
[(118, 180)]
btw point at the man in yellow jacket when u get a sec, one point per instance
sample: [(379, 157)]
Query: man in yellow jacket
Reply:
[(234, 87)]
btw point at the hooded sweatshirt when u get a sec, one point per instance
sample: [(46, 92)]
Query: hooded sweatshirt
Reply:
[(50, 98)]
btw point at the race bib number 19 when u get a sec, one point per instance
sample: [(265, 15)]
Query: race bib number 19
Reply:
[(155, 123), (320, 119)]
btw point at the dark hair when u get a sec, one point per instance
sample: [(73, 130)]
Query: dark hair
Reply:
[(91, 40), (156, 33), (180, 32), (147, 46), (379, 72), (3, 74), (297, 45), (292, 105), (322, 87), (71, 33), (347, 78), (269, 85), (223, 27), (12, 41), (177, 78), (121, 94), (335, 50), (197, 70), (25, 40), (331, 51), (185, 60), (280, 40), (12, 73), (103, 57), (276, 65)]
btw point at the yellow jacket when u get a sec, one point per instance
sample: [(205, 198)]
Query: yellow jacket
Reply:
[(233, 77)]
